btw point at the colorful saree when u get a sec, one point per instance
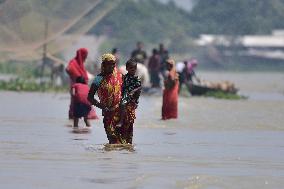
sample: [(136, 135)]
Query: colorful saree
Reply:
[(109, 93), (170, 96), (128, 121)]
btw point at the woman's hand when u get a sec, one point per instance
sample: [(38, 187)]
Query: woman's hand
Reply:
[(110, 109)]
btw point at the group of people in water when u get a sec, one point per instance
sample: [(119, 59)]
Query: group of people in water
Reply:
[(157, 66), (118, 94)]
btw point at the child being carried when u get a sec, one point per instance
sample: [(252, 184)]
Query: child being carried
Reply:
[(131, 90)]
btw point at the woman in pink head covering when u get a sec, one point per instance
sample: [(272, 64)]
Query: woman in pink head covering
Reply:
[(75, 69), (191, 64), (187, 74), (189, 70)]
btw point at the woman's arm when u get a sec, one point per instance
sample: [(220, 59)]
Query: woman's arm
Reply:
[(91, 97), (169, 81), (195, 76)]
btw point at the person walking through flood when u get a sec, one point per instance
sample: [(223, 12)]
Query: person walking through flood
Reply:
[(170, 93), (82, 106), (75, 69), (131, 90), (164, 56), (108, 86)]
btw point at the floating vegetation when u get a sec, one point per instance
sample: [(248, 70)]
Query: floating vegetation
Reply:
[(29, 84), (224, 95)]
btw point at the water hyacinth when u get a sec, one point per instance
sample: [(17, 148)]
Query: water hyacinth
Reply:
[(28, 84)]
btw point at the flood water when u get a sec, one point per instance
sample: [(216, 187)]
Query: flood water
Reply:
[(214, 143)]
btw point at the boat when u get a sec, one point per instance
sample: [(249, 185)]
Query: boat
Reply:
[(197, 90)]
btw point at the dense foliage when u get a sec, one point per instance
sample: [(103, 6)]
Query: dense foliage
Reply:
[(237, 17), (153, 22), (148, 21), (30, 84)]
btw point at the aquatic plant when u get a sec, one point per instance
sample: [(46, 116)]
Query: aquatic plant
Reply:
[(224, 95), (30, 84)]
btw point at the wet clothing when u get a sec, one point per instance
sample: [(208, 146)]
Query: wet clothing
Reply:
[(128, 122), (81, 93), (129, 84), (170, 96), (139, 55), (81, 110), (128, 105), (109, 93), (76, 69), (82, 106)]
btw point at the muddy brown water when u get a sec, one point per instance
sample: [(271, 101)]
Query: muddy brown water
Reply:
[(214, 143)]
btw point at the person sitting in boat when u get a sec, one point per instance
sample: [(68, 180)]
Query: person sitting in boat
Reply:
[(187, 74)]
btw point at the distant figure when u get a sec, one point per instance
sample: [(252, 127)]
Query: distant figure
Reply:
[(188, 74), (116, 54), (131, 89), (139, 54), (170, 93), (58, 77), (154, 67), (164, 56), (75, 69), (82, 106), (108, 85)]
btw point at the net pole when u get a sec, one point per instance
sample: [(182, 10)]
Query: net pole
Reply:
[(44, 52)]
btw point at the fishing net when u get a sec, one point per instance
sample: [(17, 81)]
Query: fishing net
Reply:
[(27, 27)]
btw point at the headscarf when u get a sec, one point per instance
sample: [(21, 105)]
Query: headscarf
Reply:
[(192, 63), (173, 74), (76, 66), (81, 56), (106, 58)]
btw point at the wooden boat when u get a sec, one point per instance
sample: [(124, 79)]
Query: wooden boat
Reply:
[(197, 90)]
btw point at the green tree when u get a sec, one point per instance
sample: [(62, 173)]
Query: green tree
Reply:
[(237, 17), (149, 21)]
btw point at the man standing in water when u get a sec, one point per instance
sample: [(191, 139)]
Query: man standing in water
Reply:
[(164, 56), (139, 54), (108, 85)]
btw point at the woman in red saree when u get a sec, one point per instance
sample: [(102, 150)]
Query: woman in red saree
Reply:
[(170, 93), (108, 86), (76, 69)]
